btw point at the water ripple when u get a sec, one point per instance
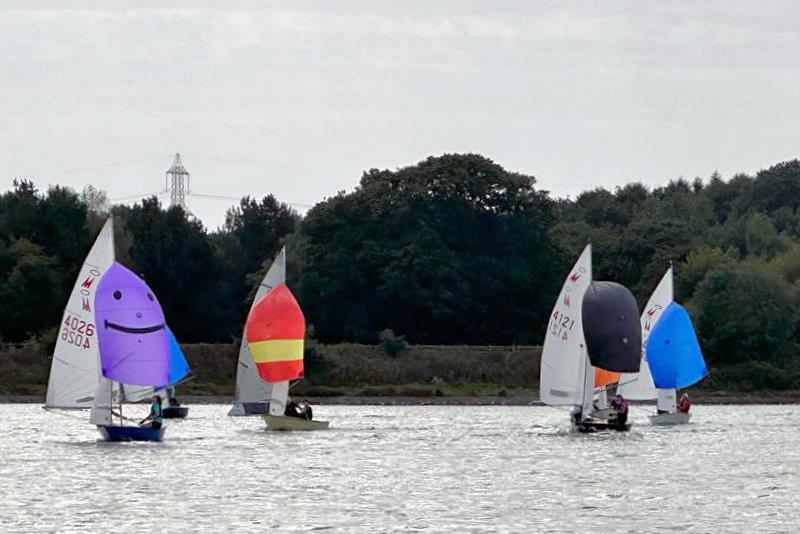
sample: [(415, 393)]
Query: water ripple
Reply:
[(405, 469)]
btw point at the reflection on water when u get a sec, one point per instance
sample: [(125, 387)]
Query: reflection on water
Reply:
[(406, 468)]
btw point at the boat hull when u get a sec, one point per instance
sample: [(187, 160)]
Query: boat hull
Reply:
[(670, 418), (246, 409), (280, 422), (175, 412), (131, 433), (588, 427)]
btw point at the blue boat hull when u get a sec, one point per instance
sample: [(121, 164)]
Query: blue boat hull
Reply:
[(131, 433)]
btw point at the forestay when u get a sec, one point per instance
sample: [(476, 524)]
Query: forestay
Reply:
[(561, 376), (249, 386), (75, 366), (639, 386)]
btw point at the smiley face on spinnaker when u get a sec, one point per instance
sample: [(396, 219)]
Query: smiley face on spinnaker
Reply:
[(131, 330)]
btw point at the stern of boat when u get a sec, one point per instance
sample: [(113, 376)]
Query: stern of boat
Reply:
[(280, 422), (131, 433), (670, 418)]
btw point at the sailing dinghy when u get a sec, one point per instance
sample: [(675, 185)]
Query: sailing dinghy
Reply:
[(134, 350), (587, 345), (671, 356), (252, 393), (275, 332)]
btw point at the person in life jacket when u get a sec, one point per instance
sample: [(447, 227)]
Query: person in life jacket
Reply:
[(301, 410), (684, 403), (155, 416), (306, 407), (576, 415), (620, 405)]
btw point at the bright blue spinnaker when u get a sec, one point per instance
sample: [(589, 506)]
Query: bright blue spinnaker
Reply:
[(178, 366), (673, 351)]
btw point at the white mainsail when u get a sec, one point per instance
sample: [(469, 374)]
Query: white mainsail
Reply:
[(105, 396), (666, 400), (249, 386), (76, 360), (278, 398), (563, 374), (639, 386)]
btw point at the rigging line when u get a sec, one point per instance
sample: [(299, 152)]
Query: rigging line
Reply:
[(254, 163), (57, 411), (239, 198), (112, 164), (133, 197)]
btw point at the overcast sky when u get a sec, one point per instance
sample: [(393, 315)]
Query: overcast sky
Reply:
[(299, 98)]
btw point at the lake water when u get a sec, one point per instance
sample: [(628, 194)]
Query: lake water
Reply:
[(405, 469)]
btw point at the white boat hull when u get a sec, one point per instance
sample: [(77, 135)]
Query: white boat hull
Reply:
[(670, 418), (280, 422)]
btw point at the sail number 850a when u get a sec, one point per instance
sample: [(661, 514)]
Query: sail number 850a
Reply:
[(560, 325), (77, 332)]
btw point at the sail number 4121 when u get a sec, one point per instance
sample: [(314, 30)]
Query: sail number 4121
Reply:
[(561, 325)]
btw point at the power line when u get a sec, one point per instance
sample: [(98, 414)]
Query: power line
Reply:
[(143, 195), (177, 184), (221, 197), (112, 164)]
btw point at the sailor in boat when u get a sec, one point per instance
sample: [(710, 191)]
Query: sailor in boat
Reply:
[(301, 410), (684, 403), (620, 415), (155, 417), (576, 415), (174, 402), (307, 412)]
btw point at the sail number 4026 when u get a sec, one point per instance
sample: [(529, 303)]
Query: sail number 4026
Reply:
[(77, 332), (561, 325)]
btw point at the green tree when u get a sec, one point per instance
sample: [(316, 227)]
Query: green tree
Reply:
[(253, 234), (30, 295), (745, 312), (454, 249), (171, 251)]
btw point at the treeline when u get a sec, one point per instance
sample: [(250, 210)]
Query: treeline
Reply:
[(455, 249)]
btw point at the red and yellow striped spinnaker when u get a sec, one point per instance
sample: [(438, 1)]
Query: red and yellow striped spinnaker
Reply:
[(274, 331)]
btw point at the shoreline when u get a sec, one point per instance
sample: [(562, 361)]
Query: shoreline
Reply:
[(524, 400)]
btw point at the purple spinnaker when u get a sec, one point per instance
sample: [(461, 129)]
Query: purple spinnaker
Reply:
[(131, 330)]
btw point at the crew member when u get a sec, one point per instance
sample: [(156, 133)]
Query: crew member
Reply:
[(156, 416), (684, 403)]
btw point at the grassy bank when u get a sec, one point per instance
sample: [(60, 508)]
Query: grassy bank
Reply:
[(349, 371), (332, 370)]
